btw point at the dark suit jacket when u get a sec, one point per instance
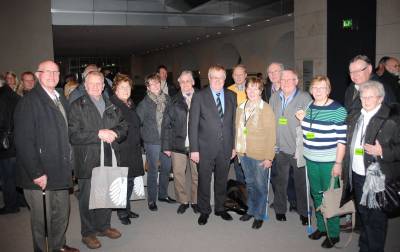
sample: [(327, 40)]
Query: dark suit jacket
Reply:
[(208, 134)]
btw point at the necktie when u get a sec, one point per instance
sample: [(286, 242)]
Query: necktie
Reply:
[(61, 108), (219, 106)]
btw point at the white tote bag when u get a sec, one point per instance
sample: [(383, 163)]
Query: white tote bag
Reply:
[(108, 184)]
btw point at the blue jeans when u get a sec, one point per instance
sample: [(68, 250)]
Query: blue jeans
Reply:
[(153, 156), (256, 183)]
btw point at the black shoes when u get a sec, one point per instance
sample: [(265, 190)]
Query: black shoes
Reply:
[(195, 208), (292, 208), (182, 208), (167, 199), (153, 206), (317, 235), (5, 210), (133, 215), (330, 242), (203, 219), (224, 215), (280, 217), (304, 220), (246, 217), (125, 221), (257, 224)]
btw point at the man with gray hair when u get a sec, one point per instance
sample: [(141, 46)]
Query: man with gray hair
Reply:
[(285, 104), (43, 154), (94, 119), (272, 85), (175, 142)]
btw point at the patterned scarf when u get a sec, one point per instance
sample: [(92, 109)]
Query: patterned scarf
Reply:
[(161, 102)]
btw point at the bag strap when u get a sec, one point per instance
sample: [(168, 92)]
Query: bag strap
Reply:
[(353, 221), (113, 157)]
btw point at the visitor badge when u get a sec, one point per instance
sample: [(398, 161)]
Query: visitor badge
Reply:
[(359, 151), (245, 131), (310, 135), (282, 120)]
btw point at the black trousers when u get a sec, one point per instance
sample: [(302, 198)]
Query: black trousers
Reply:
[(373, 221), (92, 221), (220, 167)]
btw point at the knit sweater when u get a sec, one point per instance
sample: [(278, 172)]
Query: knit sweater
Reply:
[(258, 144), (286, 133), (323, 128)]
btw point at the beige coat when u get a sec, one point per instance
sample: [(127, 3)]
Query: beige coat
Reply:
[(261, 132)]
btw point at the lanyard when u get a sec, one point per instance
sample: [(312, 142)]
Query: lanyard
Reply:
[(316, 114), (285, 102), (250, 114)]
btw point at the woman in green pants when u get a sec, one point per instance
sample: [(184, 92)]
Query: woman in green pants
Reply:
[(324, 138)]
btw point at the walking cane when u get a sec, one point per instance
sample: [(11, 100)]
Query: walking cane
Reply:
[(309, 228), (266, 218), (46, 235)]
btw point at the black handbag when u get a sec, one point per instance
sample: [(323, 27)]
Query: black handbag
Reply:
[(389, 199), (6, 139)]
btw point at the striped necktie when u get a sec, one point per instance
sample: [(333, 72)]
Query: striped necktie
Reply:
[(219, 106)]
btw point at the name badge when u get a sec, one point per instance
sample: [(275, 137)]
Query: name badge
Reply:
[(359, 151), (310, 135), (245, 131), (282, 120)]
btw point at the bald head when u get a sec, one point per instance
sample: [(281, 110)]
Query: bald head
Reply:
[(48, 74)]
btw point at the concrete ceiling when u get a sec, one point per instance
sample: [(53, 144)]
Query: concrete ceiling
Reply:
[(125, 27)]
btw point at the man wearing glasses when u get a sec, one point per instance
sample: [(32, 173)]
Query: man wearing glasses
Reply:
[(360, 70), (43, 156)]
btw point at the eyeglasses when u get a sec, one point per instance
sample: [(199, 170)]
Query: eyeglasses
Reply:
[(287, 80), (319, 88), (368, 97), (47, 72), (358, 71)]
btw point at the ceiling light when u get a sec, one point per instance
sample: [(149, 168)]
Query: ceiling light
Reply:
[(233, 29), (290, 14), (249, 25), (207, 35), (267, 20), (218, 33)]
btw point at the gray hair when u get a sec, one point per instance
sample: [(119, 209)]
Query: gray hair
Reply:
[(373, 85), (94, 73), (281, 66), (360, 57), (186, 72)]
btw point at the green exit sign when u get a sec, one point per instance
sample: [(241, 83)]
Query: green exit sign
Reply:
[(347, 24)]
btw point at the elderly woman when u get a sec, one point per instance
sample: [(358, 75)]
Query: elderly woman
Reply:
[(255, 149), (151, 111), (324, 138), (175, 142), (129, 150), (373, 136)]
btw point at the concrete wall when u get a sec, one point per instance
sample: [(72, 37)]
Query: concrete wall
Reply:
[(310, 35), (387, 28), (26, 34), (256, 48)]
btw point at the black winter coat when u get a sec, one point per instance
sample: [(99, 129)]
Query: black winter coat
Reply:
[(41, 139), (84, 124), (8, 103), (354, 105), (174, 125), (146, 111), (130, 150), (385, 127)]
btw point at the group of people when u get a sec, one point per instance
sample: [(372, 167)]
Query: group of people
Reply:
[(270, 131)]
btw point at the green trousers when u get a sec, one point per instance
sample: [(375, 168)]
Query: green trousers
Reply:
[(319, 175)]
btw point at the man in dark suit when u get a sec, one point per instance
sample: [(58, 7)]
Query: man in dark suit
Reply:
[(211, 139), (168, 88)]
